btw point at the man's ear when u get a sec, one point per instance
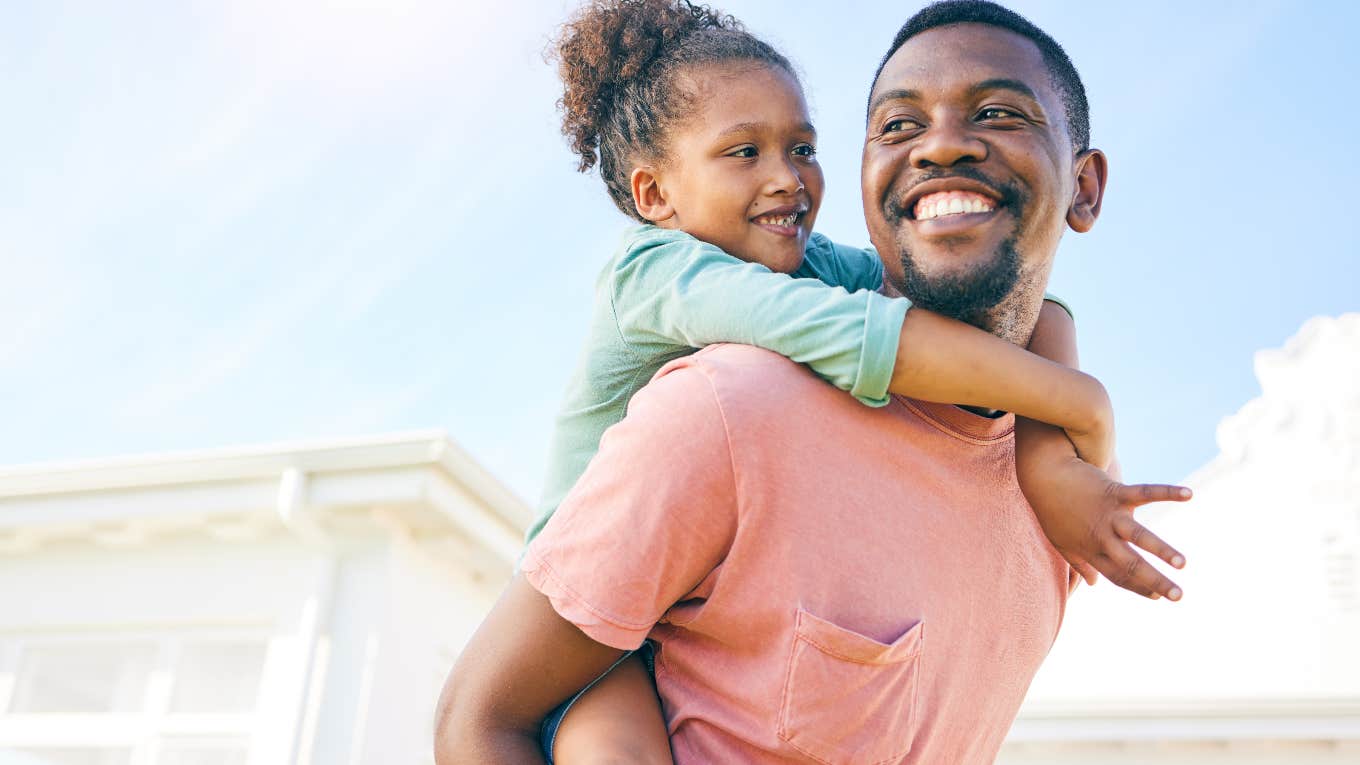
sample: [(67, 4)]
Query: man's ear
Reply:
[(1092, 171), (648, 196)]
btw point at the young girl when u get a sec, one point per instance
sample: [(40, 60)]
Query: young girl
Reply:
[(702, 135)]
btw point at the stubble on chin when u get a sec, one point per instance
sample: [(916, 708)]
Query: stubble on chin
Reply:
[(996, 296)]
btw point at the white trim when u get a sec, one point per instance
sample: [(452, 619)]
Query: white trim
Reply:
[(129, 501), (359, 737), (220, 464), (9, 671), (1322, 719), (236, 463), (315, 626)]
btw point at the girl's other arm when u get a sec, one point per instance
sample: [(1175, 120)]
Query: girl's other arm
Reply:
[(1085, 514)]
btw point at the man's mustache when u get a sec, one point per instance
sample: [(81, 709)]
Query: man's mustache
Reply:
[(1008, 193)]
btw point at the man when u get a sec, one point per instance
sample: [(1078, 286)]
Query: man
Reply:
[(829, 582)]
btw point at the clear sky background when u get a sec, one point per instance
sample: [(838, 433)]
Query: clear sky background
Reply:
[(244, 222)]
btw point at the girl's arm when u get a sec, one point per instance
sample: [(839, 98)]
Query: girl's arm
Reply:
[(1085, 514), (671, 291), (944, 360), (522, 662)]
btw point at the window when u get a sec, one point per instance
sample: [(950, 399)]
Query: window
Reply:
[(82, 677), (175, 697), (217, 677)]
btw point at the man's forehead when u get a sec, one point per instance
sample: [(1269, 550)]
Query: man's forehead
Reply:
[(958, 55)]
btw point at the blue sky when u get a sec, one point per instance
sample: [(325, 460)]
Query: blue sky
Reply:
[(244, 222)]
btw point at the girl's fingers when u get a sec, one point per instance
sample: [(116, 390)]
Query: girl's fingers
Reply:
[(1143, 493), (1136, 533), (1127, 569), (1087, 572)]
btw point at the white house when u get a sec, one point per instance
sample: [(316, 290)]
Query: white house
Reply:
[(1260, 662), (288, 604)]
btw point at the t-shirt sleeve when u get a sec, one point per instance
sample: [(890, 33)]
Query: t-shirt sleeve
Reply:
[(1050, 297), (683, 292), (842, 265), (649, 521)]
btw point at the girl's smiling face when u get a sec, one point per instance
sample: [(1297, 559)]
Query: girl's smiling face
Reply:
[(741, 170)]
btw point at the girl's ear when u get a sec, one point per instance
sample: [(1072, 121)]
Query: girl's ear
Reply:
[(1092, 172), (648, 196)]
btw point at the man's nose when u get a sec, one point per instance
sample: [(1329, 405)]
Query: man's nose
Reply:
[(947, 143)]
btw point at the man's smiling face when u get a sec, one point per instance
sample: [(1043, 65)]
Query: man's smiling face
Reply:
[(969, 175)]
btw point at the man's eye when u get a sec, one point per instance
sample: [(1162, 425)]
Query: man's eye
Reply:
[(745, 152), (900, 125), (997, 113), (805, 150)]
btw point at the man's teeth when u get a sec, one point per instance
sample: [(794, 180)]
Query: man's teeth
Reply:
[(951, 203), (780, 220)]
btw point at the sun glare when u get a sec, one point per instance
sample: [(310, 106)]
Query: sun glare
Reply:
[(361, 44)]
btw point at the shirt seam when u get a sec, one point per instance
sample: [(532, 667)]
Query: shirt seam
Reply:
[(614, 316), (581, 600), (727, 439), (639, 360)]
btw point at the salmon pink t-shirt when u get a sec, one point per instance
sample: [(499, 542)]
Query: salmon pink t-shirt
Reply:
[(828, 582)]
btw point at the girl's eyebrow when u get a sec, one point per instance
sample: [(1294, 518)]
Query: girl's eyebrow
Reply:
[(754, 127)]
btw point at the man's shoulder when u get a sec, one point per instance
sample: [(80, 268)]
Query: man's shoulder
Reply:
[(747, 376), (740, 363)]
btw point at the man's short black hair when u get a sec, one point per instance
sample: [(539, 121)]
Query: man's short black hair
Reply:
[(1065, 77)]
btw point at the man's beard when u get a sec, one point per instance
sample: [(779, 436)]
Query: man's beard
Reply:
[(968, 296), (972, 295)]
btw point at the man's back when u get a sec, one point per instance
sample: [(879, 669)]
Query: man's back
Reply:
[(834, 583)]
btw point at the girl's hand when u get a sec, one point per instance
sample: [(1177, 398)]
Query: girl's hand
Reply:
[(1089, 519)]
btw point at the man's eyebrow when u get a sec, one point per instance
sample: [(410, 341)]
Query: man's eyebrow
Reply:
[(753, 127), (1002, 83), (896, 94)]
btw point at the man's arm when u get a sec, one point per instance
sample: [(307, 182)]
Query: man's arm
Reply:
[(522, 662), (645, 527)]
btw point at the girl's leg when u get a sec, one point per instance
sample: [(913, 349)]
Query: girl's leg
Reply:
[(617, 721)]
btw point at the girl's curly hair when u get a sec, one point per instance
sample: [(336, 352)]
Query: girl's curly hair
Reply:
[(619, 61)]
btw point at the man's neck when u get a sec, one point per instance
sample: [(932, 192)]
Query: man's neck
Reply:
[(1013, 319)]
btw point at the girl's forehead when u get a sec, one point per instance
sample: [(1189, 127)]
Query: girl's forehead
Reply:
[(744, 93), (718, 81)]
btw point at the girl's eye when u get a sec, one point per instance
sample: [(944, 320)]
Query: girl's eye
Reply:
[(805, 150), (745, 152)]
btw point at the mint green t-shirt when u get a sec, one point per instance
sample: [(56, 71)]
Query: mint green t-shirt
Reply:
[(666, 294)]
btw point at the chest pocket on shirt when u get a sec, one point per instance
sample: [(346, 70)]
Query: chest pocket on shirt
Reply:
[(849, 699)]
